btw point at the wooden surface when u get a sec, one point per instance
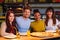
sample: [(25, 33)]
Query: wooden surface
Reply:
[(23, 38), (29, 38)]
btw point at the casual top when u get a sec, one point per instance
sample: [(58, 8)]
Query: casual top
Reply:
[(6, 30), (51, 26), (38, 26), (22, 24)]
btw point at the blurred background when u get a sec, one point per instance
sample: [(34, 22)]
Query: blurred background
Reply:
[(17, 6)]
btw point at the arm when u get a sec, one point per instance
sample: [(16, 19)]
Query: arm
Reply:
[(3, 29), (31, 29), (57, 24)]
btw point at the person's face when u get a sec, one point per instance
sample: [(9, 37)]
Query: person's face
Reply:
[(37, 16), (26, 13), (49, 13), (11, 17)]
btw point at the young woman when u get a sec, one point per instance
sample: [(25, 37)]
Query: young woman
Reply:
[(38, 25), (8, 27), (51, 21)]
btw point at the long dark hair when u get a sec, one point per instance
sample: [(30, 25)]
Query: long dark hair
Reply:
[(53, 16), (7, 20)]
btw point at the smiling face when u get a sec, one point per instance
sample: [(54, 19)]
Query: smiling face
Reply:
[(11, 17), (49, 13), (26, 13), (37, 16)]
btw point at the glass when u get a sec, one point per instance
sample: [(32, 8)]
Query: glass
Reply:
[(58, 31), (17, 34), (28, 33)]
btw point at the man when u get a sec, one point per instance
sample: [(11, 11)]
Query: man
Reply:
[(23, 22)]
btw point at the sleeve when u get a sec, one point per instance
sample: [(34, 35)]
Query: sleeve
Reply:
[(17, 23), (31, 29), (57, 24), (43, 25)]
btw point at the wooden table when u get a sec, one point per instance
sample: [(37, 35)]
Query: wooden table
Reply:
[(23, 38), (30, 38)]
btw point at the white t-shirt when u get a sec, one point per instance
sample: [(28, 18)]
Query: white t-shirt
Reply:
[(51, 26)]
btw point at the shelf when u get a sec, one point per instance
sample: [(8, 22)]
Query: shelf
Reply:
[(56, 5), (2, 17)]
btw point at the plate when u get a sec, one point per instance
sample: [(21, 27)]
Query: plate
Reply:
[(10, 36), (23, 33), (41, 34), (45, 34), (50, 31)]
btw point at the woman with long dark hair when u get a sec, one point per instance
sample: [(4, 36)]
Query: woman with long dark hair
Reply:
[(8, 27), (51, 21)]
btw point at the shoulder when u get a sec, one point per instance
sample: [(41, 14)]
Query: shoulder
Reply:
[(3, 23), (18, 17), (29, 19), (57, 20), (32, 22), (42, 20)]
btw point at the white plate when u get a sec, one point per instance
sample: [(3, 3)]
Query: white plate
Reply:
[(42, 34), (10, 36), (45, 35), (50, 31), (23, 33)]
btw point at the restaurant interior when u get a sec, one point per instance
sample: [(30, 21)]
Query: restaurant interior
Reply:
[(17, 6)]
